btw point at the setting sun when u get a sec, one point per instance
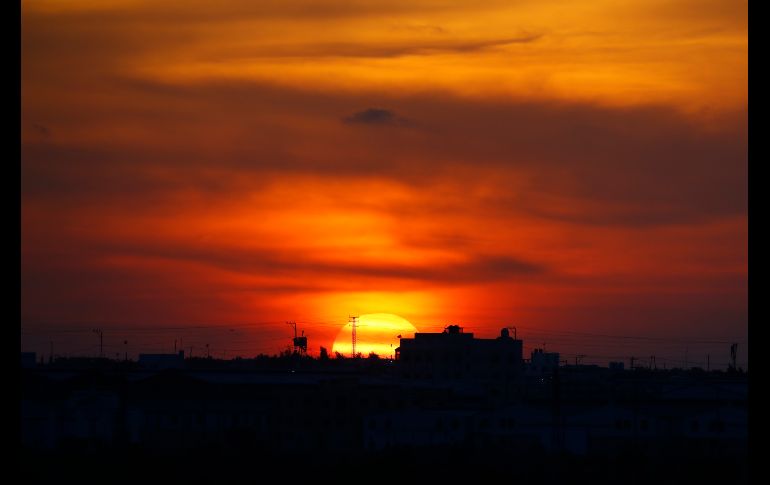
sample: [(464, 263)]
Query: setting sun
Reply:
[(376, 332)]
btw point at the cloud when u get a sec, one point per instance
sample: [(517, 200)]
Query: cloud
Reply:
[(382, 49), (374, 116), (41, 130), (430, 28), (235, 160), (309, 272), (204, 11), (635, 166)]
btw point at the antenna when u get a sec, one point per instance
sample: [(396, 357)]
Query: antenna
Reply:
[(300, 343), (353, 320), (99, 332), (733, 354)]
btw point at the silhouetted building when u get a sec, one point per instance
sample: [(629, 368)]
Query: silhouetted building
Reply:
[(162, 361), (455, 355), (542, 361)]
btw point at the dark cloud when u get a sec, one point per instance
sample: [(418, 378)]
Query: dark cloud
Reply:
[(374, 49), (632, 166), (373, 116), (478, 268), (191, 11), (41, 130)]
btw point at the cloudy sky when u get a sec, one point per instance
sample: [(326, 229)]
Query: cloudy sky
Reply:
[(573, 168)]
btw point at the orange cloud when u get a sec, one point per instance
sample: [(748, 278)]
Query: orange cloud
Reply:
[(557, 165)]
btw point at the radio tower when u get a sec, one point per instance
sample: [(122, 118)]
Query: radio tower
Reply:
[(353, 320)]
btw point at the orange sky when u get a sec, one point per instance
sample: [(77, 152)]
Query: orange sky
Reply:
[(562, 166)]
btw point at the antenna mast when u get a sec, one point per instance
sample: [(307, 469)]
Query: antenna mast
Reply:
[(733, 354), (300, 343), (353, 320), (98, 331)]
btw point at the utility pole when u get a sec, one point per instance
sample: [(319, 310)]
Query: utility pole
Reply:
[(294, 324), (99, 332), (50, 355), (708, 362), (299, 341), (734, 354), (125, 343), (632, 362), (353, 320)]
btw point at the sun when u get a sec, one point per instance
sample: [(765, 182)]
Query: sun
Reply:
[(376, 332)]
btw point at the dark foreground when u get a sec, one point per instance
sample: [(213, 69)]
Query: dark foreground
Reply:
[(450, 465), (332, 424)]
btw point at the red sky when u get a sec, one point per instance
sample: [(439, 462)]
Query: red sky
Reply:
[(206, 171)]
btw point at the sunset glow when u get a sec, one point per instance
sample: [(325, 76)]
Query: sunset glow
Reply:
[(563, 166), (376, 332)]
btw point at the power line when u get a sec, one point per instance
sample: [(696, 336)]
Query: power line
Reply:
[(627, 337)]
